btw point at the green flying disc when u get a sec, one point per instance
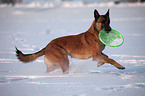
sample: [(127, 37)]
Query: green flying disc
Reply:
[(112, 38)]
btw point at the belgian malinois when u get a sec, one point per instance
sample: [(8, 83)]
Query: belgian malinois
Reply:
[(82, 46)]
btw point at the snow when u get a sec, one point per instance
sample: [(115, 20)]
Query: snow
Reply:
[(31, 26)]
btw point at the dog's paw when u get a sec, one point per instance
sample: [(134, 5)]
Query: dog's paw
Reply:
[(122, 68), (100, 64)]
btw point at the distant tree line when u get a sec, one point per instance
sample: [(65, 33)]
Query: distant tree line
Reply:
[(13, 2), (118, 1), (135, 0)]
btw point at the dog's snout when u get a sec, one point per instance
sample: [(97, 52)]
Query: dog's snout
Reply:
[(108, 28)]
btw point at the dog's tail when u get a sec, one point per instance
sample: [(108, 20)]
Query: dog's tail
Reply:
[(29, 57)]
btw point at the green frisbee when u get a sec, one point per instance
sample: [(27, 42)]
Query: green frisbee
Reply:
[(112, 38)]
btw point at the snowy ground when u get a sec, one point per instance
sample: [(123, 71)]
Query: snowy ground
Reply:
[(32, 26)]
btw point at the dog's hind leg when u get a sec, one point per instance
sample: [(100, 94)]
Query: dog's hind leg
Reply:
[(65, 66), (57, 57), (63, 62), (50, 65)]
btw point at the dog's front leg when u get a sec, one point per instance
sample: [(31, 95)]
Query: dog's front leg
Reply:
[(101, 63), (104, 54), (102, 59)]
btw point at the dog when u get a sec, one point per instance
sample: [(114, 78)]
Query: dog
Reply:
[(82, 46)]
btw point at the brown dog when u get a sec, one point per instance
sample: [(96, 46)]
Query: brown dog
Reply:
[(83, 46)]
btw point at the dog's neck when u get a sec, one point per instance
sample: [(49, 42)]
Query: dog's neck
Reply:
[(92, 29)]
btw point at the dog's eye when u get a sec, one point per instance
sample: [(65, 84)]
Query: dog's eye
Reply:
[(103, 21)]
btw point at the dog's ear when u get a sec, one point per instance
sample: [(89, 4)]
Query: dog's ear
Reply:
[(107, 14), (96, 14)]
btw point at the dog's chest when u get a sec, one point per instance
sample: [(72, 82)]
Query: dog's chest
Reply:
[(101, 46)]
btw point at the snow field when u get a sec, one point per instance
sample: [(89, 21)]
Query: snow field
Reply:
[(32, 28)]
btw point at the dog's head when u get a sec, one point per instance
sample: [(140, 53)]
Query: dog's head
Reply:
[(102, 21)]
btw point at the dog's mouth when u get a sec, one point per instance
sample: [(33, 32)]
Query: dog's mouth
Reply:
[(107, 29)]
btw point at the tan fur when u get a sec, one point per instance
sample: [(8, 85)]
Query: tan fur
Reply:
[(82, 46)]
